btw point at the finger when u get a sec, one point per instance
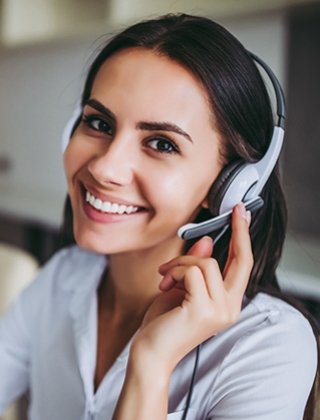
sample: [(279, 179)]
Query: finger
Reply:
[(240, 254), (168, 282), (188, 277), (182, 260), (210, 276), (247, 215), (202, 248)]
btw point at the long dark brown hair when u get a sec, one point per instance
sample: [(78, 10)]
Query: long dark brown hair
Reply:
[(241, 108)]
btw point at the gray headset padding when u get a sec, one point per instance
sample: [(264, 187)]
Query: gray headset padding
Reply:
[(221, 185)]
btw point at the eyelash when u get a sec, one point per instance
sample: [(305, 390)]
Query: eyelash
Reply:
[(173, 147), (89, 122)]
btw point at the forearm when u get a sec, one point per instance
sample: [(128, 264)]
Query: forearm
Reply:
[(144, 393)]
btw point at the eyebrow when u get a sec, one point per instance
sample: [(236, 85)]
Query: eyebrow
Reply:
[(101, 108), (142, 125), (163, 126)]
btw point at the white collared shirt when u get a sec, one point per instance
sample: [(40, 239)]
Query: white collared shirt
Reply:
[(261, 368)]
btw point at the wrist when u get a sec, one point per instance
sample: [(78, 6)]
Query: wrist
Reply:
[(145, 391), (147, 368)]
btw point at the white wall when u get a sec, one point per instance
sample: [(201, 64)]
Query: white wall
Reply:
[(265, 36), (38, 87)]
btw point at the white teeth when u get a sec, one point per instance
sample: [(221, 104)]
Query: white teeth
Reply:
[(107, 206), (114, 208), (122, 209), (97, 203)]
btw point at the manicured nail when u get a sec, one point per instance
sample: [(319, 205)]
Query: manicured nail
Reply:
[(208, 238), (242, 210), (248, 217)]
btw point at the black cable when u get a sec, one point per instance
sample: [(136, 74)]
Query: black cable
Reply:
[(189, 396)]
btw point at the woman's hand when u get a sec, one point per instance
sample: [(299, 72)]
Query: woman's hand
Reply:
[(197, 300)]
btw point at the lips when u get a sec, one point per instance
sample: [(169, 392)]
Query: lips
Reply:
[(103, 207)]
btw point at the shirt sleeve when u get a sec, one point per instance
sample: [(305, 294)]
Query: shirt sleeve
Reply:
[(17, 327), (269, 373)]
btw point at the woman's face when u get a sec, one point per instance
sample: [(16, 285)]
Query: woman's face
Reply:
[(144, 156)]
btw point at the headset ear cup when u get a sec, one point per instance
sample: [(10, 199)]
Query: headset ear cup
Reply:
[(221, 185)]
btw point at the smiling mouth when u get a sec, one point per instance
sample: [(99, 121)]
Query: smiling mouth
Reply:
[(108, 206)]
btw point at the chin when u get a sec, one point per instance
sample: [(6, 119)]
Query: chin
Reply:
[(94, 243)]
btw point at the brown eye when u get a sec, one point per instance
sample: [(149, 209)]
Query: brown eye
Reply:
[(98, 124), (163, 145)]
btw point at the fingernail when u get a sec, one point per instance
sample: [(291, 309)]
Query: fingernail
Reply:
[(242, 210), (207, 238), (248, 217)]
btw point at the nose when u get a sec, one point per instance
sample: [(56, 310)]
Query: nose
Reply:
[(114, 164)]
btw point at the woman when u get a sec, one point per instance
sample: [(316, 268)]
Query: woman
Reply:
[(167, 104)]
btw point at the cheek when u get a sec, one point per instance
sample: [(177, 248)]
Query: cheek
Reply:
[(181, 193), (74, 159)]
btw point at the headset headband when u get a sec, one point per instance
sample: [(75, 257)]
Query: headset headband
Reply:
[(242, 181), (280, 100)]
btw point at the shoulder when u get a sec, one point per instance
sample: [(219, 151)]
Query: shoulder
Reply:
[(271, 355), (70, 270), (270, 323), (67, 265), (275, 328), (280, 322), (72, 258), (70, 273)]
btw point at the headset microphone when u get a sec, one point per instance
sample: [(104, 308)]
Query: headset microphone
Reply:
[(194, 230), (241, 181)]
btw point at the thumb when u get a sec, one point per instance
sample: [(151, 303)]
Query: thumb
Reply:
[(202, 248)]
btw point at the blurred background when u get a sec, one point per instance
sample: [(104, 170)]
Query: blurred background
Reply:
[(45, 49)]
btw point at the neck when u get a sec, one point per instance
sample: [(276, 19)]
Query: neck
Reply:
[(132, 280)]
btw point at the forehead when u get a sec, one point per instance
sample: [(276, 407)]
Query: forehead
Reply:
[(150, 81)]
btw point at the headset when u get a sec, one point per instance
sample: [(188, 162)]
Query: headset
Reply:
[(242, 181)]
